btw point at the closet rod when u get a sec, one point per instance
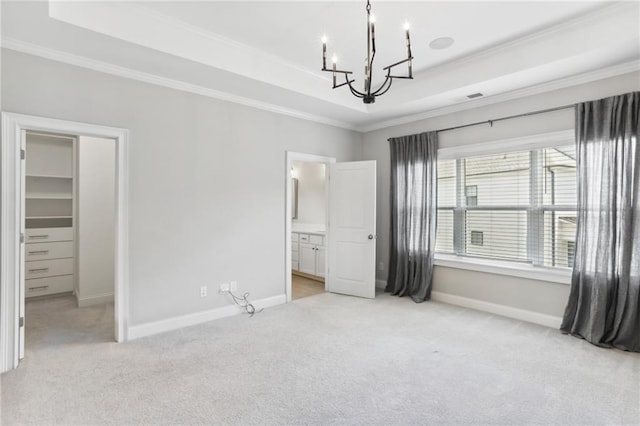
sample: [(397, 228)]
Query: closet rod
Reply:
[(477, 123)]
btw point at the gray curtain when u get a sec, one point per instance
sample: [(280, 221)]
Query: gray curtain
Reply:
[(413, 215), (604, 302)]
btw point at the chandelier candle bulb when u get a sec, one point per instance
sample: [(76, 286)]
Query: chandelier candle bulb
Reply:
[(372, 20), (406, 28), (366, 75), (324, 52), (335, 61)]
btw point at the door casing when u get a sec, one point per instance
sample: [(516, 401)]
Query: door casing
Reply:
[(308, 158), (11, 216)]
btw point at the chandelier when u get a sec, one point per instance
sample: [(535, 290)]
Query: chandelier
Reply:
[(368, 96)]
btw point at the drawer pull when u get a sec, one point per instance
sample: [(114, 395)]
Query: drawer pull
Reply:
[(38, 237), (39, 252), (39, 270), (41, 287)]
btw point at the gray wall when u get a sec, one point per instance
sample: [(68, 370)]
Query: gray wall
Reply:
[(538, 296), (207, 179)]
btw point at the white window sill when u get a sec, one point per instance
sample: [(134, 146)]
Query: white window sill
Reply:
[(560, 276)]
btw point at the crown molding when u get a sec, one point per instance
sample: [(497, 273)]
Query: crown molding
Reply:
[(155, 30), (537, 89), (124, 72), (119, 71)]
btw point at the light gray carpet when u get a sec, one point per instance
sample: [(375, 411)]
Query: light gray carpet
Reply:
[(329, 359)]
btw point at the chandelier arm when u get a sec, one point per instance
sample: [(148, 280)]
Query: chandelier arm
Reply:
[(378, 92), (371, 70), (388, 67), (355, 92), (343, 84)]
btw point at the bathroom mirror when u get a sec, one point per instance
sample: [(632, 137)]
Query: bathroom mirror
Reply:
[(294, 198)]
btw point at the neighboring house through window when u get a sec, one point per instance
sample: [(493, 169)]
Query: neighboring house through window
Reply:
[(512, 204)]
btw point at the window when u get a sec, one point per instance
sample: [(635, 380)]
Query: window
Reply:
[(515, 206), (477, 238)]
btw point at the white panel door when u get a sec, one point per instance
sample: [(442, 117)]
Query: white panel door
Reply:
[(352, 223)]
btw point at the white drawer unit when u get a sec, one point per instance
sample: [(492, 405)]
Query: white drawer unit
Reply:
[(50, 285), (46, 251), (304, 238), (41, 235), (48, 268), (316, 239)]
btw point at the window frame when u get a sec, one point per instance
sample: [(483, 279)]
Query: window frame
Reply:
[(534, 271)]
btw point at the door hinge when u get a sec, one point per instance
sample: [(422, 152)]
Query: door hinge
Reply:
[(21, 322), (21, 238), (23, 154)]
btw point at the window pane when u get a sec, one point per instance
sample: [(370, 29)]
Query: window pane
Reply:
[(447, 183), (559, 238), (444, 234), (558, 176), (498, 180), (507, 216), (497, 234)]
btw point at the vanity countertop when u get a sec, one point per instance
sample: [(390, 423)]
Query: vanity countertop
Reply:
[(309, 232)]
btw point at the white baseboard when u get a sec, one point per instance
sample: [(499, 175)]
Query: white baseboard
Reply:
[(94, 300), (494, 308), (169, 324)]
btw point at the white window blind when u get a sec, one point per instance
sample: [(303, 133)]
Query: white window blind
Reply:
[(517, 206)]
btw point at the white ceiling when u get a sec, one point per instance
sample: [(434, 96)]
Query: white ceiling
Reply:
[(268, 54)]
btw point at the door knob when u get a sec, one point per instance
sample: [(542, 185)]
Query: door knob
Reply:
[(370, 237)]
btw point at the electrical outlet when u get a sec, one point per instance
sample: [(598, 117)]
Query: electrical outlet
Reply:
[(233, 285), (223, 288), (203, 291), (381, 266)]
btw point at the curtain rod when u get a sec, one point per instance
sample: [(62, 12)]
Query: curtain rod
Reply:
[(477, 123)]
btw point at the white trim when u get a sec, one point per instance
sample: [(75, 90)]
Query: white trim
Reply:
[(494, 308), (514, 269), (562, 83), (119, 71), (107, 68), (95, 300), (12, 126), (523, 143), (169, 324), (290, 157), (9, 246)]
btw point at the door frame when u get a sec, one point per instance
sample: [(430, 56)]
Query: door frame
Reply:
[(290, 157), (10, 263)]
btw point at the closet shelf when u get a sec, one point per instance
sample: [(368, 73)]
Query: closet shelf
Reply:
[(32, 175), (48, 197), (48, 217)]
